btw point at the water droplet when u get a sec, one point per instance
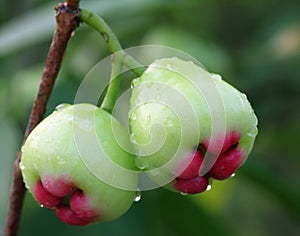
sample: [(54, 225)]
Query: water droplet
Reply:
[(191, 62), (134, 83), (47, 140), (208, 187), (140, 162), (22, 149), (244, 96), (132, 116), (22, 167), (138, 196), (169, 66), (60, 160), (61, 106), (216, 77), (141, 166), (252, 133), (42, 205), (168, 122), (133, 138), (183, 194), (232, 175), (149, 84)]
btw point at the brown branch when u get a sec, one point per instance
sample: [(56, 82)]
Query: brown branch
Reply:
[(72, 4), (67, 19)]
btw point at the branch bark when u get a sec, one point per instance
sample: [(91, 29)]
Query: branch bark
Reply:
[(72, 4), (67, 19)]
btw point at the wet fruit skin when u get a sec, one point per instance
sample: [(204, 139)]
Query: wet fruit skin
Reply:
[(57, 177), (163, 95)]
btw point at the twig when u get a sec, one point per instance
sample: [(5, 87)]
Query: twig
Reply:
[(72, 4), (67, 19)]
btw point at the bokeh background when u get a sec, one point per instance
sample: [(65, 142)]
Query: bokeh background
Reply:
[(254, 45)]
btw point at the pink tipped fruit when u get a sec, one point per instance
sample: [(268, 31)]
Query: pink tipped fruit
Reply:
[(195, 102), (197, 184), (45, 198), (54, 168), (189, 180), (226, 164)]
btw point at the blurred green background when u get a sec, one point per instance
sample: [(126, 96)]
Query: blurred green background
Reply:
[(254, 45)]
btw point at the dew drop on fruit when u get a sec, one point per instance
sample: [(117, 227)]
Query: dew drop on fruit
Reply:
[(134, 83), (133, 138), (22, 167), (47, 140), (253, 133), (42, 206), (168, 122), (183, 194), (133, 116), (61, 106), (232, 175), (243, 97), (141, 163), (138, 196), (60, 160), (208, 187), (216, 77)]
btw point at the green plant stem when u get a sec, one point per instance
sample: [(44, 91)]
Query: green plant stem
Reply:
[(114, 85), (119, 57), (112, 41)]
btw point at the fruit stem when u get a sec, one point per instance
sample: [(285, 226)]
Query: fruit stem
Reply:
[(118, 58), (112, 41), (114, 85)]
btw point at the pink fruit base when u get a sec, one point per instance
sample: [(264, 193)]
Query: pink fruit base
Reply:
[(228, 161), (71, 204)]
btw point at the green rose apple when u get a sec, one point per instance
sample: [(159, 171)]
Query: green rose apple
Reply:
[(54, 164), (188, 125)]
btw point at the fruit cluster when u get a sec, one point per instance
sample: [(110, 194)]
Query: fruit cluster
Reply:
[(187, 126)]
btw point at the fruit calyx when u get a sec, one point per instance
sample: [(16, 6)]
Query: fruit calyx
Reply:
[(230, 158), (71, 204)]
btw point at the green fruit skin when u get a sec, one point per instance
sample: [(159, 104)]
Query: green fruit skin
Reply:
[(147, 110), (50, 150)]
